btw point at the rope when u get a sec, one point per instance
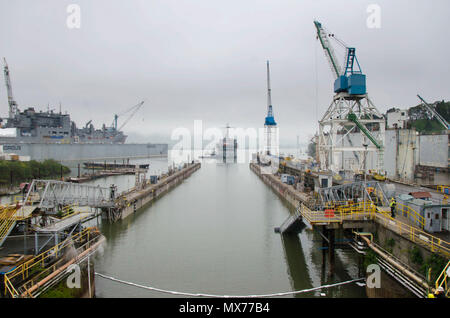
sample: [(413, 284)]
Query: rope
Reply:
[(225, 296)]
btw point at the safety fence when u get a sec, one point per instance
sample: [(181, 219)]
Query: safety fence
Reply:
[(19, 281), (369, 211)]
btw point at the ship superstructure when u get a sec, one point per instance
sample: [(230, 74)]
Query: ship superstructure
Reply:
[(31, 126)]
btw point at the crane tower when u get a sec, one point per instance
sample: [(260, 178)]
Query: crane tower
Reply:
[(13, 108), (270, 125), (350, 111)]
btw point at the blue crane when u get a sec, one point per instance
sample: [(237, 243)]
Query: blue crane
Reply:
[(350, 78), (270, 120)]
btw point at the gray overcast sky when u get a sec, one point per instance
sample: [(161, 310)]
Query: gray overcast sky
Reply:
[(205, 59)]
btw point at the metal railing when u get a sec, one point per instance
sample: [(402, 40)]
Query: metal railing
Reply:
[(68, 211), (442, 280), (412, 214), (416, 235), (356, 211), (8, 217), (365, 210), (34, 270)]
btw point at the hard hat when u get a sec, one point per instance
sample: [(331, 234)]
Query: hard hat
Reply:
[(440, 289)]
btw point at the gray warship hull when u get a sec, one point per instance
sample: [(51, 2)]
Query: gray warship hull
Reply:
[(77, 152)]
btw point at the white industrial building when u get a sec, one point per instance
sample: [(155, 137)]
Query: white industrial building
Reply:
[(396, 119)]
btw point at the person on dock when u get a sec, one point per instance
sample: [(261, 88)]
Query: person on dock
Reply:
[(393, 205)]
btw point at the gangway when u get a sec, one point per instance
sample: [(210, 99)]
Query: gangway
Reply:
[(293, 222), (372, 191), (53, 194)]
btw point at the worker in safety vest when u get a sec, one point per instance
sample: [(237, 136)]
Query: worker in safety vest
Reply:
[(393, 204)]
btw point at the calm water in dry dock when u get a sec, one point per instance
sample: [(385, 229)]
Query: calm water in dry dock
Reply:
[(215, 234)]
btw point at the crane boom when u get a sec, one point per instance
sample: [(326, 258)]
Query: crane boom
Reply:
[(11, 102), (328, 49), (353, 118), (435, 113), (133, 110)]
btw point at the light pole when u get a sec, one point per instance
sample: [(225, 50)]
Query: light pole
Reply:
[(365, 168)]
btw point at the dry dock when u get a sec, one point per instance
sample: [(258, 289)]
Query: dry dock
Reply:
[(390, 238)]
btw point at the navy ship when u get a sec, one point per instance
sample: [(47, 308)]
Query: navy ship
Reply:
[(48, 134), (31, 126)]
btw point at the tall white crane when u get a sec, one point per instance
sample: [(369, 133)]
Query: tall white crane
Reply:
[(351, 110), (13, 108)]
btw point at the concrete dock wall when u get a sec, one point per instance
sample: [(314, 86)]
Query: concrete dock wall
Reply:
[(136, 199), (403, 150), (434, 151), (287, 192)]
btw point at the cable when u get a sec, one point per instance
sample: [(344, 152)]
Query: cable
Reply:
[(225, 296)]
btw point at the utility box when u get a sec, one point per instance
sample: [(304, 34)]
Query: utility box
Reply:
[(153, 179), (433, 222), (357, 84), (325, 180), (284, 178), (290, 180), (287, 178)]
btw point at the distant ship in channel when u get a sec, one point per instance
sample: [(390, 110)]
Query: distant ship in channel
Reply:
[(227, 147)]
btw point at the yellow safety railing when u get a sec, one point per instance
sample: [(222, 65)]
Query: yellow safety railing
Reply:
[(416, 235), (411, 214), (8, 217), (442, 188), (20, 198), (68, 211), (362, 210), (340, 213), (34, 270), (442, 280)]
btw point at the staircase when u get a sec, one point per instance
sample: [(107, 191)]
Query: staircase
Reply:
[(292, 224), (7, 222)]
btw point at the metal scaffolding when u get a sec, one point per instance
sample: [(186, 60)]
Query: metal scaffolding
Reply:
[(51, 194), (370, 190)]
